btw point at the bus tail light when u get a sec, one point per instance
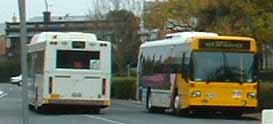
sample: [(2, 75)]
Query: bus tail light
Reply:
[(50, 85), (103, 86)]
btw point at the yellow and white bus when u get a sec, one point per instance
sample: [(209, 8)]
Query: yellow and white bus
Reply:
[(69, 69), (199, 72)]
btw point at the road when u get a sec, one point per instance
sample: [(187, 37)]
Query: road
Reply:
[(121, 112)]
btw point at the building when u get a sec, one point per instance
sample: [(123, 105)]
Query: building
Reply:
[(3, 42), (2, 45), (102, 28)]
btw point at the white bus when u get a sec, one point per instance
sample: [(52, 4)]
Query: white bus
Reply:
[(70, 70)]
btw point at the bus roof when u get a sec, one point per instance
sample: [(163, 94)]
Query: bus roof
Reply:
[(61, 36), (177, 38)]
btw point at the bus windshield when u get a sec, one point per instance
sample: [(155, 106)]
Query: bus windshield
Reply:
[(223, 66), (68, 59)]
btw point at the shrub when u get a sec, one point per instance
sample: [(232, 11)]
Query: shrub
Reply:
[(266, 95), (123, 87), (8, 69)]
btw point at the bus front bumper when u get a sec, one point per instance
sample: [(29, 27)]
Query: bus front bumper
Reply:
[(241, 109)]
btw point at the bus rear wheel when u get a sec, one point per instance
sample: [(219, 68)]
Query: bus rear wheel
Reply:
[(42, 110), (233, 114), (149, 105), (96, 111), (176, 105)]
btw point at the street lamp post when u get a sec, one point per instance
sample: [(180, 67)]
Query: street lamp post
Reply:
[(23, 39), (141, 32)]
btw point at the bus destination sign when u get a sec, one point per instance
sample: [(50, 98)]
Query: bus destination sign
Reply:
[(224, 44)]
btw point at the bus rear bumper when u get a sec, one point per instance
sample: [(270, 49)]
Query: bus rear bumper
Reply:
[(77, 102)]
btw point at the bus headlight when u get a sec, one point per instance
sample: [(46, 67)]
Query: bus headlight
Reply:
[(196, 94), (251, 95), (236, 94)]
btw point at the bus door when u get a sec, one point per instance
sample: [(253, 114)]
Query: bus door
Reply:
[(183, 88)]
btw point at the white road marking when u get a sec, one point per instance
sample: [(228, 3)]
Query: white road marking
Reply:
[(104, 119)]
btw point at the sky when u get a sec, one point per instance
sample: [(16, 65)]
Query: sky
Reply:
[(8, 8)]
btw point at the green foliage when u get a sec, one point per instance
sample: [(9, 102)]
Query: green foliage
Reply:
[(227, 17), (123, 87), (8, 69), (125, 40), (266, 95)]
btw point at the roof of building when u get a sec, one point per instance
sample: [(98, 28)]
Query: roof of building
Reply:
[(70, 18), (60, 18)]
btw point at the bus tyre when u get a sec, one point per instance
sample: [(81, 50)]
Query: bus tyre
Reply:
[(176, 105), (149, 101), (92, 111), (40, 110), (31, 107), (149, 105), (236, 114), (96, 111)]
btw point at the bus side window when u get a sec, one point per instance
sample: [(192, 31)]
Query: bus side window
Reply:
[(190, 72), (184, 68), (141, 62), (182, 65), (255, 68)]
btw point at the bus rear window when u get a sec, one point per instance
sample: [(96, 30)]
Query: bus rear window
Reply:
[(68, 59)]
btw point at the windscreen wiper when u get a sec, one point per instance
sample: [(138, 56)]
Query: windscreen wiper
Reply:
[(208, 78), (236, 74)]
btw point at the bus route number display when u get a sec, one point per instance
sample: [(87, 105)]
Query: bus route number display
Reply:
[(78, 44), (224, 44)]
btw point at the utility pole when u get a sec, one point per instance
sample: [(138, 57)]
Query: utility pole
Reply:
[(128, 70), (23, 39), (46, 5), (142, 38)]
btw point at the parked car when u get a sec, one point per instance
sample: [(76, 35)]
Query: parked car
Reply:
[(16, 80)]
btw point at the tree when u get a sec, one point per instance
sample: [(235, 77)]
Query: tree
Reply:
[(180, 10), (125, 38), (101, 7), (227, 17)]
